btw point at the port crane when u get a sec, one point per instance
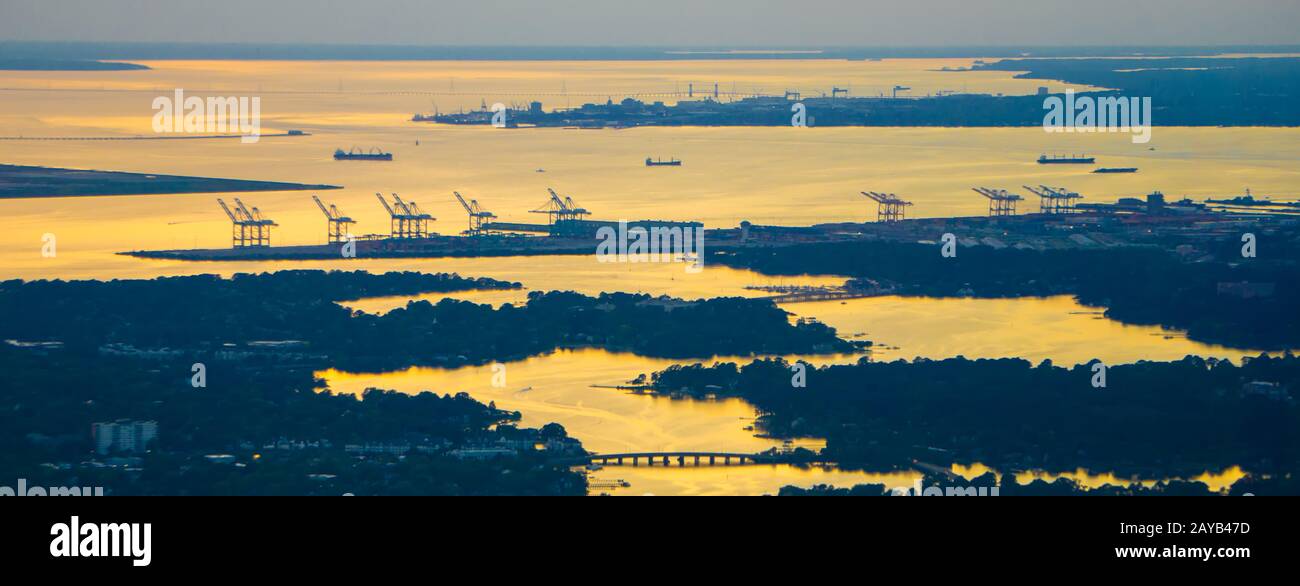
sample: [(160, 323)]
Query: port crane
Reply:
[(397, 223), (249, 228), (262, 224), (901, 88), (336, 223), (418, 221), (558, 209), (477, 215), (1001, 202), (1056, 200), (837, 91), (405, 223), (889, 208), (575, 212)]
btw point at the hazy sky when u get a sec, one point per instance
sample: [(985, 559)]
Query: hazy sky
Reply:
[(660, 22)]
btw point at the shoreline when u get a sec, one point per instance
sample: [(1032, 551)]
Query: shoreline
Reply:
[(27, 182)]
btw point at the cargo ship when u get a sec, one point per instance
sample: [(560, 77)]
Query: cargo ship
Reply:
[(357, 155), (661, 163), (1064, 160), (1116, 170)]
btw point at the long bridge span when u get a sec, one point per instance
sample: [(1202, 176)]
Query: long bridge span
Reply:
[(685, 459)]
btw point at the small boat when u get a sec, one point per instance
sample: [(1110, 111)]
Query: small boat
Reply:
[(1104, 170), (662, 163)]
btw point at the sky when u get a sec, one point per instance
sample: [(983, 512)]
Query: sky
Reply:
[(731, 23)]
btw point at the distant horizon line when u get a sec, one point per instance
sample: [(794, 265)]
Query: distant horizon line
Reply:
[(665, 47), (52, 51)]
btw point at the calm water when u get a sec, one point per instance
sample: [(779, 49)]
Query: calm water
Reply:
[(558, 387), (612, 421), (769, 175), (765, 175), (1036, 329)]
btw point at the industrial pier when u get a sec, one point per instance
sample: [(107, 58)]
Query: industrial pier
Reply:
[(568, 230), (1062, 221)]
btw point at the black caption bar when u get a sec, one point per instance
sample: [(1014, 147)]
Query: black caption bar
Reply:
[(175, 535)]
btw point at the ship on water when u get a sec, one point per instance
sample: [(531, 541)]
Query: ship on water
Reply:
[(356, 154), (1065, 160), (662, 163), (1105, 170)]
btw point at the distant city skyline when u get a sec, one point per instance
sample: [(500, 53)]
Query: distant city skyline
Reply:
[(735, 23)]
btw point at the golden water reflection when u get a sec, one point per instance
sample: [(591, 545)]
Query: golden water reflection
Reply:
[(1036, 329), (1217, 481), (568, 387), (764, 175), (736, 481), (558, 388), (784, 176)]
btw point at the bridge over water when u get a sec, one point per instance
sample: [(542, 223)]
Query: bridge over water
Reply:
[(686, 459)]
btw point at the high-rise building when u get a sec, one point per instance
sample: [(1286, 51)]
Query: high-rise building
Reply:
[(124, 435)]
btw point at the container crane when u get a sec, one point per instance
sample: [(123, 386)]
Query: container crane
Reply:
[(336, 224), (249, 228), (1056, 200), (557, 209), (418, 221), (239, 225), (1001, 202), (400, 219), (889, 208), (575, 212), (261, 226), (477, 215)]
